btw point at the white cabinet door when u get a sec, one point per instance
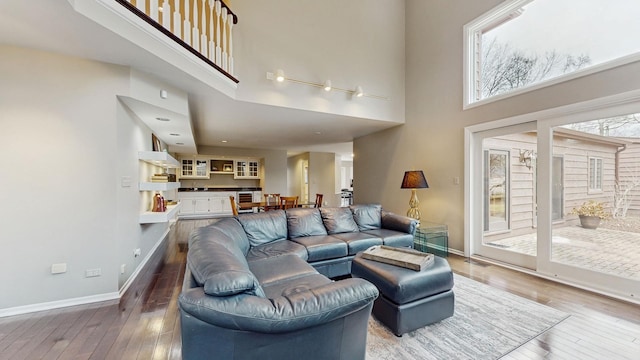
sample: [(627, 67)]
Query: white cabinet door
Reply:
[(246, 169), (194, 168), (201, 206), (187, 205)]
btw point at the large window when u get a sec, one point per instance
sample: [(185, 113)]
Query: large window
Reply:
[(524, 43)]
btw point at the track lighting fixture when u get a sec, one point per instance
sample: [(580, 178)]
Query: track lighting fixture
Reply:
[(327, 86)]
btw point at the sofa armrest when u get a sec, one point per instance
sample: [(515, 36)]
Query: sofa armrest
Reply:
[(397, 222), (283, 314)]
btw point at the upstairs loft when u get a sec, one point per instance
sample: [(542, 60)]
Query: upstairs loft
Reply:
[(224, 80)]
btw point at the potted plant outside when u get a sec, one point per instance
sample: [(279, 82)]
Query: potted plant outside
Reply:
[(590, 213)]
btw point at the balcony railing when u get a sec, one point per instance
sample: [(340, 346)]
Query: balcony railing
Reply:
[(203, 27)]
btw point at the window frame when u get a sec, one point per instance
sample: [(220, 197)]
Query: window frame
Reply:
[(494, 17), (591, 180)]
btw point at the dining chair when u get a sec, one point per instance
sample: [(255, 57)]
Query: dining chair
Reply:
[(271, 202), (318, 201), (287, 202), (234, 205)]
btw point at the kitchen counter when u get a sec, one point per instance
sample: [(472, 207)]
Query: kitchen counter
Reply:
[(211, 189)]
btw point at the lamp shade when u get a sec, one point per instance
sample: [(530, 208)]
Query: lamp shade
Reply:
[(414, 180)]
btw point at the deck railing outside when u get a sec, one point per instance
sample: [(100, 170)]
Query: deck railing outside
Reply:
[(204, 26)]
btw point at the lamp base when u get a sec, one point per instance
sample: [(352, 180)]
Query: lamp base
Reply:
[(414, 212)]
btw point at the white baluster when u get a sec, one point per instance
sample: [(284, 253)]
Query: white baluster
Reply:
[(212, 48), (187, 23), (166, 14), (195, 37), (230, 21), (203, 29), (218, 31), (142, 5), (153, 10), (177, 20), (224, 40)]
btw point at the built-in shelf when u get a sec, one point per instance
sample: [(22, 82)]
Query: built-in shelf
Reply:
[(159, 186), (149, 217), (159, 158)]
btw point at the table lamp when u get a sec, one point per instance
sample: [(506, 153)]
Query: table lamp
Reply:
[(414, 180)]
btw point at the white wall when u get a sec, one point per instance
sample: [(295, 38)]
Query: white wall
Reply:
[(322, 177), (432, 138), (355, 42), (67, 142)]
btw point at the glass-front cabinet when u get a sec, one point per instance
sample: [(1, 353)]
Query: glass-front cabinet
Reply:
[(194, 168), (247, 169)]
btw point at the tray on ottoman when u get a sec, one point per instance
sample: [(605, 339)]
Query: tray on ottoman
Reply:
[(406, 258)]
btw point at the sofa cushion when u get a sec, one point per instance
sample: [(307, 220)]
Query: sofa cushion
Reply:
[(232, 228), (264, 227), (359, 241), (291, 286), (367, 217), (280, 268), (322, 247), (392, 237), (222, 271), (277, 248), (338, 220), (304, 222)]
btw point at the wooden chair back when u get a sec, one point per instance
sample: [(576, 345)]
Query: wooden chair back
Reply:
[(271, 202), (234, 205), (318, 201), (287, 202)]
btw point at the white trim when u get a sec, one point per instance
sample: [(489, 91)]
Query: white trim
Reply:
[(19, 310), (144, 262), (468, 33), (617, 104)]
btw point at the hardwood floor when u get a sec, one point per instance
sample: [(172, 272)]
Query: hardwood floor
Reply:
[(145, 323)]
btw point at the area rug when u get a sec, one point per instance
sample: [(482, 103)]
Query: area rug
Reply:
[(487, 324)]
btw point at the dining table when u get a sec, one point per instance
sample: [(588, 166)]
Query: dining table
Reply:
[(262, 205)]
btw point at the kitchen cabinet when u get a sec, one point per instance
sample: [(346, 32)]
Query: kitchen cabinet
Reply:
[(194, 168), (205, 203), (163, 160), (246, 169)]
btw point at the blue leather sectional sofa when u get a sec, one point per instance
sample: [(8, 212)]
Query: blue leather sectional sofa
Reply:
[(258, 286)]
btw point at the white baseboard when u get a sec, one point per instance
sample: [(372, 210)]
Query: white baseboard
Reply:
[(19, 310), (144, 262)]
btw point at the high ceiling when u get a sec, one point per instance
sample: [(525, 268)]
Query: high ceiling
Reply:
[(55, 26)]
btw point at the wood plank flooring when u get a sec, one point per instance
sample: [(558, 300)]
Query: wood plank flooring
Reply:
[(145, 323)]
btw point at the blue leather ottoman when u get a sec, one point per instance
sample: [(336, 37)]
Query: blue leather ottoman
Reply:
[(408, 299)]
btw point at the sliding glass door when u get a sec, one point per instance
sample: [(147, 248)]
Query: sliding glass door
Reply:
[(529, 184), (505, 163)]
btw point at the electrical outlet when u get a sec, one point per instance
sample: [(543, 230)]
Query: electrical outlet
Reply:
[(456, 180), (93, 272), (59, 268)]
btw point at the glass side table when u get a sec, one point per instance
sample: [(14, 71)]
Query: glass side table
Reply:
[(432, 238)]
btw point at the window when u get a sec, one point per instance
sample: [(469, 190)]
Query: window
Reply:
[(527, 44), (595, 174), (496, 191)]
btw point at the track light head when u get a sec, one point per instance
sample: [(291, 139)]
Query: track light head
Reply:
[(358, 92), (327, 85), (279, 75)]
